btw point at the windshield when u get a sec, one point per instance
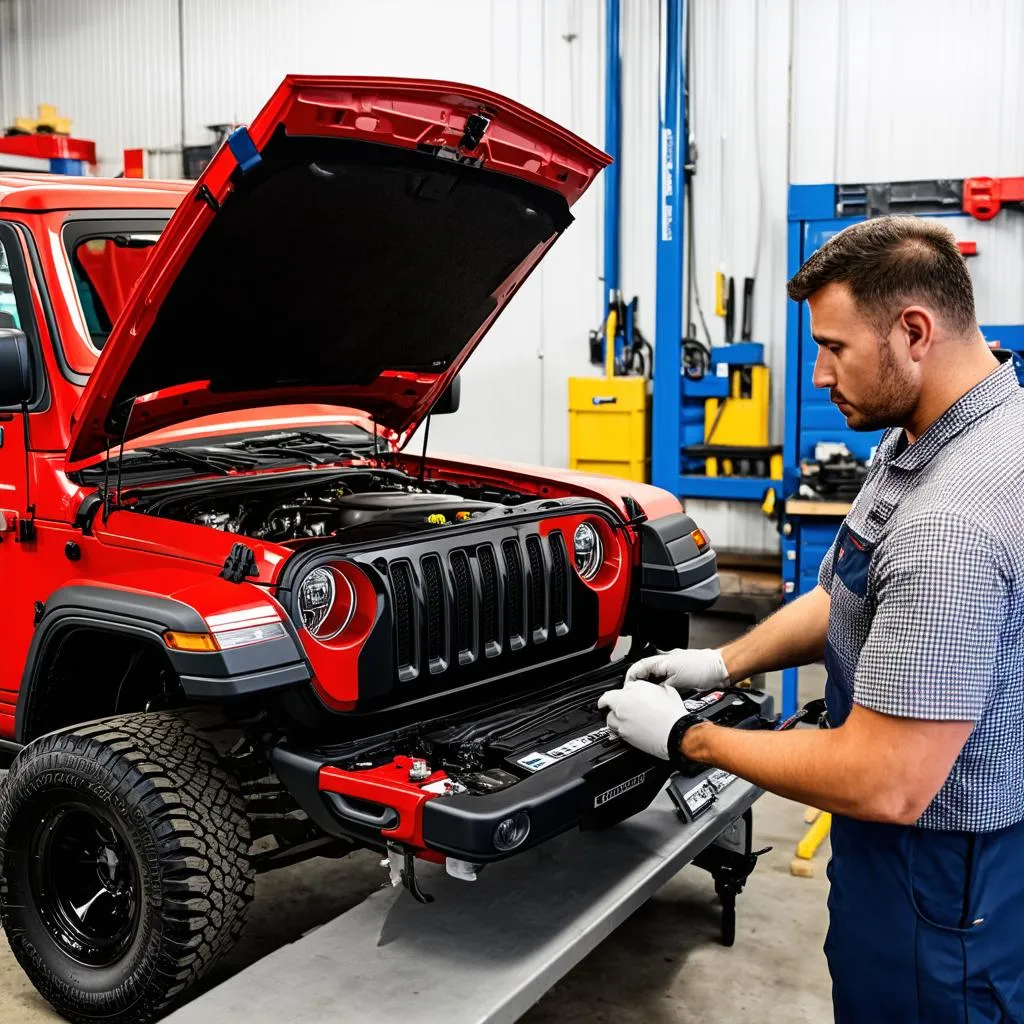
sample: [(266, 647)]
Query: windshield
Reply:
[(106, 258)]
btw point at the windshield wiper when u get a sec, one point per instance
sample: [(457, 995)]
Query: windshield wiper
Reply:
[(199, 458), (300, 442)]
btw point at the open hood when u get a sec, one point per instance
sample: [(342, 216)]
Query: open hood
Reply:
[(351, 247)]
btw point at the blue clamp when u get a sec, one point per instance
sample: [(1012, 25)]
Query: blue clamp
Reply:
[(244, 149)]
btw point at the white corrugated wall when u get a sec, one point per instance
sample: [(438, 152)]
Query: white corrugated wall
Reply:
[(875, 89), (900, 90)]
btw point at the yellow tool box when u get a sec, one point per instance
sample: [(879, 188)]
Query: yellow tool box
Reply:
[(609, 419)]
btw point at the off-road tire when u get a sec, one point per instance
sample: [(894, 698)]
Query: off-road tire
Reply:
[(181, 818)]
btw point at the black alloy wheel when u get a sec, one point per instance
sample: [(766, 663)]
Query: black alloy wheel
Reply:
[(84, 880)]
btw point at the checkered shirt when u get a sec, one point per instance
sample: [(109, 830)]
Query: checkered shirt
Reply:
[(938, 633)]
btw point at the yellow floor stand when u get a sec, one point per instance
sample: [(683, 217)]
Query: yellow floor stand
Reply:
[(802, 864)]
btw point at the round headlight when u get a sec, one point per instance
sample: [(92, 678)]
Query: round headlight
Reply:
[(512, 832), (322, 614), (587, 550)]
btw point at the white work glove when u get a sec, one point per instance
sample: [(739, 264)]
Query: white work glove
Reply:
[(699, 670), (643, 715)]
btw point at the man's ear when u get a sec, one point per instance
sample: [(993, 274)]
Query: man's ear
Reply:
[(917, 325)]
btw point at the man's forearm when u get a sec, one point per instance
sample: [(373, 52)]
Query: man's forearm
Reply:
[(794, 635), (874, 767), (805, 765)]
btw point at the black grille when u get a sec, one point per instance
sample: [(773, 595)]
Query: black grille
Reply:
[(559, 585), (437, 635), (506, 602), (406, 621), (516, 595), (490, 598), (465, 621), (538, 591)]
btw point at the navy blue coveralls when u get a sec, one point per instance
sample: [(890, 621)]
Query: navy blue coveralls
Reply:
[(927, 621)]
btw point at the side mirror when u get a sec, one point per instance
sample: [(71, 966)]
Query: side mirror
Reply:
[(15, 367), (449, 401)]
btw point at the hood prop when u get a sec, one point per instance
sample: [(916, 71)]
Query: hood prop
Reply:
[(108, 507), (423, 457)]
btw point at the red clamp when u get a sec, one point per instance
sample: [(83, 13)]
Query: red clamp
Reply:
[(983, 198)]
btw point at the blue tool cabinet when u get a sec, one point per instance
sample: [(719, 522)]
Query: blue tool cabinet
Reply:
[(815, 214)]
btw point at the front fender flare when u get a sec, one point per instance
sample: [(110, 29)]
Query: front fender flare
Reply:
[(215, 675)]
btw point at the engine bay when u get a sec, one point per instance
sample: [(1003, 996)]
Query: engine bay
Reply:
[(352, 505)]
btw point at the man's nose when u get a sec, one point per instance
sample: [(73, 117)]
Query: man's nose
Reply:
[(824, 373)]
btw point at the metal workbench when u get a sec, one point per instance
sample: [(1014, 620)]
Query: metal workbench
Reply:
[(484, 951)]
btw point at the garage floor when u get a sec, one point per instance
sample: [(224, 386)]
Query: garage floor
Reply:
[(663, 965)]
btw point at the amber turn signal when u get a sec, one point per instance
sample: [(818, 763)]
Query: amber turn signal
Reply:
[(191, 641)]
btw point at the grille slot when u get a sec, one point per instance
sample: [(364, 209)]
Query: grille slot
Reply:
[(491, 600), (516, 595), (538, 591), (465, 608), (436, 614), (559, 584), (406, 621), (467, 602)]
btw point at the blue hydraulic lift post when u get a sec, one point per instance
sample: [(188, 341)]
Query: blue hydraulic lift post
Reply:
[(668, 330), (613, 147)]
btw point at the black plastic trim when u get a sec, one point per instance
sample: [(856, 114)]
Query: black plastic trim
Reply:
[(675, 574), (700, 595), (232, 673), (244, 684), (556, 799), (86, 514)]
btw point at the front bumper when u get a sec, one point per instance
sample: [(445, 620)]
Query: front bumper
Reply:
[(548, 765)]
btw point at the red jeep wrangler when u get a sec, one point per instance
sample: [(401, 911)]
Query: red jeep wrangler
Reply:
[(242, 625)]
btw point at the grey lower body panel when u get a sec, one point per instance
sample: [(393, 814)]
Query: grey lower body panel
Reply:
[(484, 951)]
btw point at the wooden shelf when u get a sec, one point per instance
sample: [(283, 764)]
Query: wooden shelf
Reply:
[(806, 507)]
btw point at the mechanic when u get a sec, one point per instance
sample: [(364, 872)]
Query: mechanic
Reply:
[(918, 616)]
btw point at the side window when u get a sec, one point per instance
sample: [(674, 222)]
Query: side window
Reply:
[(9, 316), (16, 306)]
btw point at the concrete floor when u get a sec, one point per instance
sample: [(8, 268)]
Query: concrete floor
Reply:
[(663, 965)]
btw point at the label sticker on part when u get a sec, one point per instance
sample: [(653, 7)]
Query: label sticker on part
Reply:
[(719, 779), (573, 746), (622, 787), (537, 761), (698, 798), (696, 703), (446, 787)]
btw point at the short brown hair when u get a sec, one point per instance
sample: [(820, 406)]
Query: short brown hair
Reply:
[(888, 262)]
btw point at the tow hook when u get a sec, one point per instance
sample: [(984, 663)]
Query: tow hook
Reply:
[(407, 872)]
